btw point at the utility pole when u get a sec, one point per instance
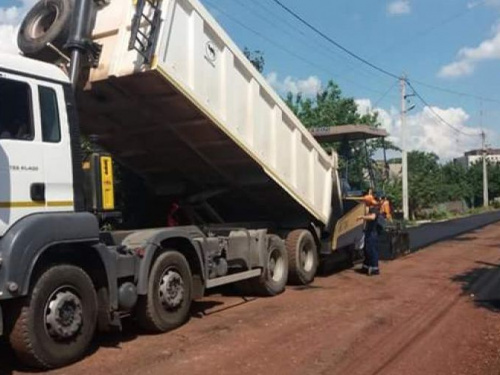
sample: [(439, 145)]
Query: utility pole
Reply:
[(406, 213), (485, 172)]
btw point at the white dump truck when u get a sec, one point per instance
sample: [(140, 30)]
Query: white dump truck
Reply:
[(162, 89)]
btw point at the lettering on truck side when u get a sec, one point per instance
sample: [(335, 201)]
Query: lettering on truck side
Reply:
[(24, 168)]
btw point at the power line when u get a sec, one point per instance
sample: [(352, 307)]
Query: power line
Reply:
[(478, 97), (385, 94), (325, 47), (440, 118), (288, 51), (421, 33), (338, 45), (366, 62), (305, 39), (335, 43), (263, 12)]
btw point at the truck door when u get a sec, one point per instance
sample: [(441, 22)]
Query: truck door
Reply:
[(21, 155), (55, 138)]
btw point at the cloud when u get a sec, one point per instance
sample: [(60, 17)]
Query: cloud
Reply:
[(425, 132), (7, 39), (491, 3), (10, 18), (399, 7), (307, 87), (468, 58)]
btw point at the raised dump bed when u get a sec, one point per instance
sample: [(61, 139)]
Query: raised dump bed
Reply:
[(200, 119)]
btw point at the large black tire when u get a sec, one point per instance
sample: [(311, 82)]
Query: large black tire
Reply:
[(302, 257), (168, 300), (54, 325), (275, 272), (49, 21)]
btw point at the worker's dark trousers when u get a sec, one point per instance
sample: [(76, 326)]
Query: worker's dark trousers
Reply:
[(371, 251)]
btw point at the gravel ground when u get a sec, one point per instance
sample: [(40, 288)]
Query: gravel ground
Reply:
[(433, 312)]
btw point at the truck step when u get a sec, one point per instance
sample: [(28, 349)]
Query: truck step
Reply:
[(233, 278)]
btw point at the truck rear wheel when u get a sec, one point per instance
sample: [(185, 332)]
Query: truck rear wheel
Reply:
[(54, 325), (275, 272), (302, 257), (167, 303)]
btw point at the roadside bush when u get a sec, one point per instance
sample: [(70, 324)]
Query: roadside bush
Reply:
[(440, 214)]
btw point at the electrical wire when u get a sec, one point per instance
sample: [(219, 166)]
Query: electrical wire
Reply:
[(359, 58), (440, 118), (368, 63), (286, 27), (473, 96), (281, 24), (385, 94), (421, 33), (288, 51), (335, 43), (325, 48)]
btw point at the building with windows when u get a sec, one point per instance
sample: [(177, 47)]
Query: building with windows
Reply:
[(476, 156)]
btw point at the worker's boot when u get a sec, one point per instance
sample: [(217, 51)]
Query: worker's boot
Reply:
[(364, 269)]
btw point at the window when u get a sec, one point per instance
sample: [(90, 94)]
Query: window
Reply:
[(16, 120), (51, 127)]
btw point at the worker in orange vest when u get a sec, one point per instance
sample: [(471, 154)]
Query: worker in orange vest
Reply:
[(370, 249), (385, 208), (369, 199)]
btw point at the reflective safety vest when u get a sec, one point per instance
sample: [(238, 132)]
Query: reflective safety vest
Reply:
[(386, 210)]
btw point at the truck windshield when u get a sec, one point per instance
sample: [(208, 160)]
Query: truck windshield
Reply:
[(15, 110)]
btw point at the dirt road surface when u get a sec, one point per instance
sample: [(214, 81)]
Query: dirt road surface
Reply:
[(433, 312)]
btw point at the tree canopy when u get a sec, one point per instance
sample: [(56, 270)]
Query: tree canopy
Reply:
[(431, 183), (256, 58), (330, 108)]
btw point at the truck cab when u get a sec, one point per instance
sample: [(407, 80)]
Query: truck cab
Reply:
[(61, 278), (36, 161)]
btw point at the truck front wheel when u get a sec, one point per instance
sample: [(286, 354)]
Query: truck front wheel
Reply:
[(168, 300), (302, 256), (54, 325)]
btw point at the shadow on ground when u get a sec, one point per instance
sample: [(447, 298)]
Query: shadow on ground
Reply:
[(130, 331), (9, 363), (482, 284)]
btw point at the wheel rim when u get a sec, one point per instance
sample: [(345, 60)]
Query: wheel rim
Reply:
[(276, 265), (171, 290), (307, 257), (43, 22), (63, 314)]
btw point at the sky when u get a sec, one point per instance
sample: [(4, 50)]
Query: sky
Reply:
[(453, 45)]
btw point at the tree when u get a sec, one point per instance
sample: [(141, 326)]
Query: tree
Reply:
[(330, 108), (474, 178), (424, 181), (494, 180), (256, 58), (394, 191), (455, 184)]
